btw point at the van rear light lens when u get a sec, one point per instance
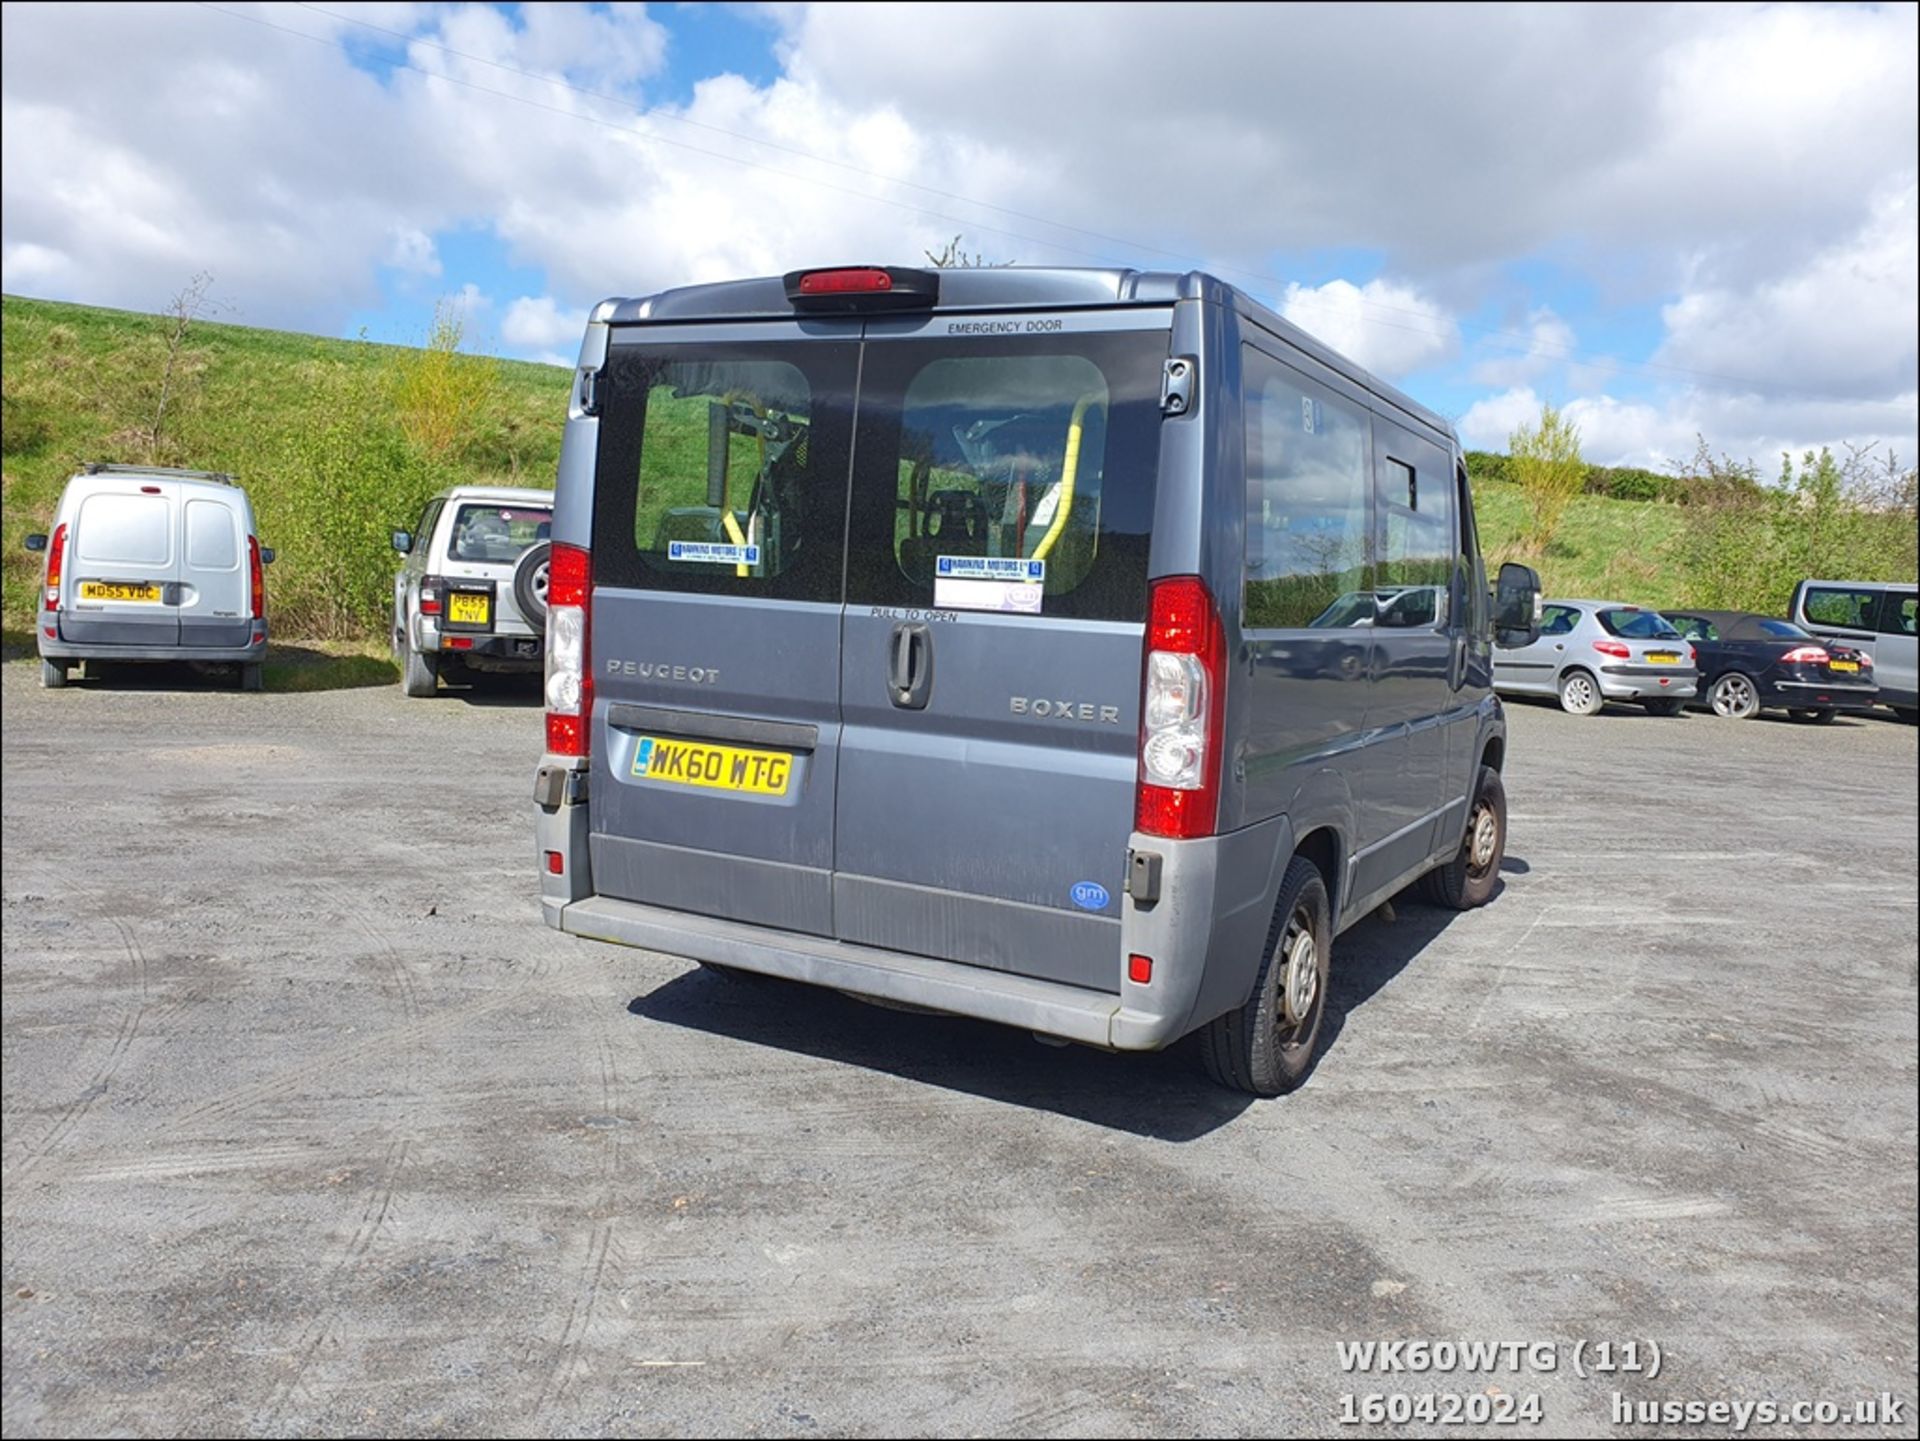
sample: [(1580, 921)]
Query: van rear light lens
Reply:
[(569, 684), (1140, 969), (1806, 655), (56, 555), (258, 580), (556, 864), (1612, 648), (1181, 708), (861, 281)]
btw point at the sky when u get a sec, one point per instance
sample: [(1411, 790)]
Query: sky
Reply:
[(1675, 222)]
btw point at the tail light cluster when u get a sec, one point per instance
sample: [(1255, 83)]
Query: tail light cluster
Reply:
[(1182, 701), (569, 682), (1613, 648), (56, 557), (257, 578), (1806, 655)]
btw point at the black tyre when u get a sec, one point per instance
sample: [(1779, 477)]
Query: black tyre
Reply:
[(1735, 696), (1580, 693), (53, 674), (1469, 878), (530, 584), (1665, 705), (419, 674), (1908, 714), (253, 676), (1813, 716), (1267, 1045)]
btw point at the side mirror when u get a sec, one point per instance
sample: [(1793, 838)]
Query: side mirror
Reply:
[(1516, 607), (36, 541), (266, 555), (403, 542)]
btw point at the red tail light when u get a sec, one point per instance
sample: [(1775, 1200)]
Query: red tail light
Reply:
[(860, 281), (56, 555), (569, 681), (1612, 648), (258, 578), (1806, 655), (1182, 704)]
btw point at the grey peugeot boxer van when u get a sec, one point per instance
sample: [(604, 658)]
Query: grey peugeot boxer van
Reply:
[(1077, 649)]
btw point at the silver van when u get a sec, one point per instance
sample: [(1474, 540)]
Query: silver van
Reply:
[(1078, 649), (1874, 617), (147, 563)]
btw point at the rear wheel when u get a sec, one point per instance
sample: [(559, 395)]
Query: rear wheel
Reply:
[(1735, 697), (1580, 694), (253, 676), (53, 674), (1812, 717), (419, 674), (1907, 714), (1468, 879), (1665, 705), (1266, 1046)]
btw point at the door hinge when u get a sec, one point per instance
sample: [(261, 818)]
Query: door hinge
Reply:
[(1176, 384)]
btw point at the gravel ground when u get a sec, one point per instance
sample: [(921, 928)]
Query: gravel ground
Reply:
[(311, 1126)]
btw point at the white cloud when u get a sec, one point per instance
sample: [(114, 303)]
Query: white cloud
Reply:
[(1526, 355), (538, 323), (1492, 419), (1388, 328)]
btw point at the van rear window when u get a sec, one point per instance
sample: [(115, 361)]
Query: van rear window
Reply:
[(125, 530)]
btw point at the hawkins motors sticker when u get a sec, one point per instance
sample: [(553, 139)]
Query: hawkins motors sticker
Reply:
[(713, 553)]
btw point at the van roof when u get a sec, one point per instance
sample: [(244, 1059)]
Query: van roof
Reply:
[(157, 472), (1013, 287)]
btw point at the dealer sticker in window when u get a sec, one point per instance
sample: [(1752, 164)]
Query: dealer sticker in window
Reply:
[(990, 567), (713, 552)]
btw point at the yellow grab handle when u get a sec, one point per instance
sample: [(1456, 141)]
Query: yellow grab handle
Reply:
[(1069, 468), (734, 535)]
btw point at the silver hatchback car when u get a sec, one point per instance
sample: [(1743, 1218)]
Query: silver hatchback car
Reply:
[(1594, 651)]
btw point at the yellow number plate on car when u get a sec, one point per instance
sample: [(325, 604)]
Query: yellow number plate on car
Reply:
[(1663, 657), (112, 590), (717, 768), (465, 608), (1843, 665)]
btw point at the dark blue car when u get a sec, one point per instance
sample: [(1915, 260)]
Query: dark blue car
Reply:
[(1750, 663)]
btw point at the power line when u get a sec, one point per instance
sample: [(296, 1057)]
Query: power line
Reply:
[(1525, 345)]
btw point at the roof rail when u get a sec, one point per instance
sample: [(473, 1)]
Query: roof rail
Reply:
[(113, 467)]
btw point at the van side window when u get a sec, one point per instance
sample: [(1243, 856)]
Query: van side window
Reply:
[(1896, 614), (1417, 549), (1852, 609), (211, 542), (1470, 567), (132, 529), (1307, 484)]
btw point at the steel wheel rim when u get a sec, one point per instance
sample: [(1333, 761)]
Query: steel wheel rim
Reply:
[(1300, 984), (1483, 841), (1580, 692), (540, 581)]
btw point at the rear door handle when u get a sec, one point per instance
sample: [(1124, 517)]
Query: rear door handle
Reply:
[(910, 665)]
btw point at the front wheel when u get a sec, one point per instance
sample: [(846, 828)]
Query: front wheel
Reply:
[(1468, 879), (1266, 1046), (1813, 716), (53, 674), (1580, 694), (1734, 697), (1665, 705)]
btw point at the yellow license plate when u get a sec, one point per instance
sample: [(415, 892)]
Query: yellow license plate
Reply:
[(1843, 665), (114, 590), (717, 768), (1663, 657), (464, 608)]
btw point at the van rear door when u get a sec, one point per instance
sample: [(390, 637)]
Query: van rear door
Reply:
[(122, 586), (720, 505), (216, 604), (998, 536)]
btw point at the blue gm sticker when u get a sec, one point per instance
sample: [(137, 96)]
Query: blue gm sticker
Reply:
[(1090, 895)]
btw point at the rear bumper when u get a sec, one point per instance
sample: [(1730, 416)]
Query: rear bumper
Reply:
[(502, 649), (1211, 906), (51, 649), (1817, 695), (1648, 682)]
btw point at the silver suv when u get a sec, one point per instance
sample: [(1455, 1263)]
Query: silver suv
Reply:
[(472, 591)]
